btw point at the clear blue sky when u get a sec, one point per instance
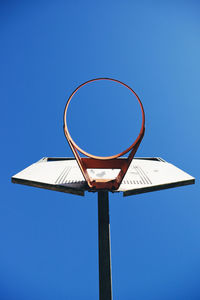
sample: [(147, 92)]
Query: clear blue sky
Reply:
[(48, 246)]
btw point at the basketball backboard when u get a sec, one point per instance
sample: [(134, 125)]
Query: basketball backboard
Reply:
[(63, 174)]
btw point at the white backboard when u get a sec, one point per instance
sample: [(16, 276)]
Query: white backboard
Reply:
[(63, 174)]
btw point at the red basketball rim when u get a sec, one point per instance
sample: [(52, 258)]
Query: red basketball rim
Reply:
[(69, 138)]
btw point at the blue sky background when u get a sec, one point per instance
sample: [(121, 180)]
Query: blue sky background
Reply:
[(48, 240)]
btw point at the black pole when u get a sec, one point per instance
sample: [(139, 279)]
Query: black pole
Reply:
[(105, 281)]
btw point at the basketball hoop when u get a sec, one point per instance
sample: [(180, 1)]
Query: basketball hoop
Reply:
[(104, 162)]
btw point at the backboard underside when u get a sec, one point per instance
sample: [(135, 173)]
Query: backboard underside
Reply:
[(63, 174)]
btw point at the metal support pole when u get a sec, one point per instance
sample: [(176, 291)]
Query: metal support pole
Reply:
[(105, 281)]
